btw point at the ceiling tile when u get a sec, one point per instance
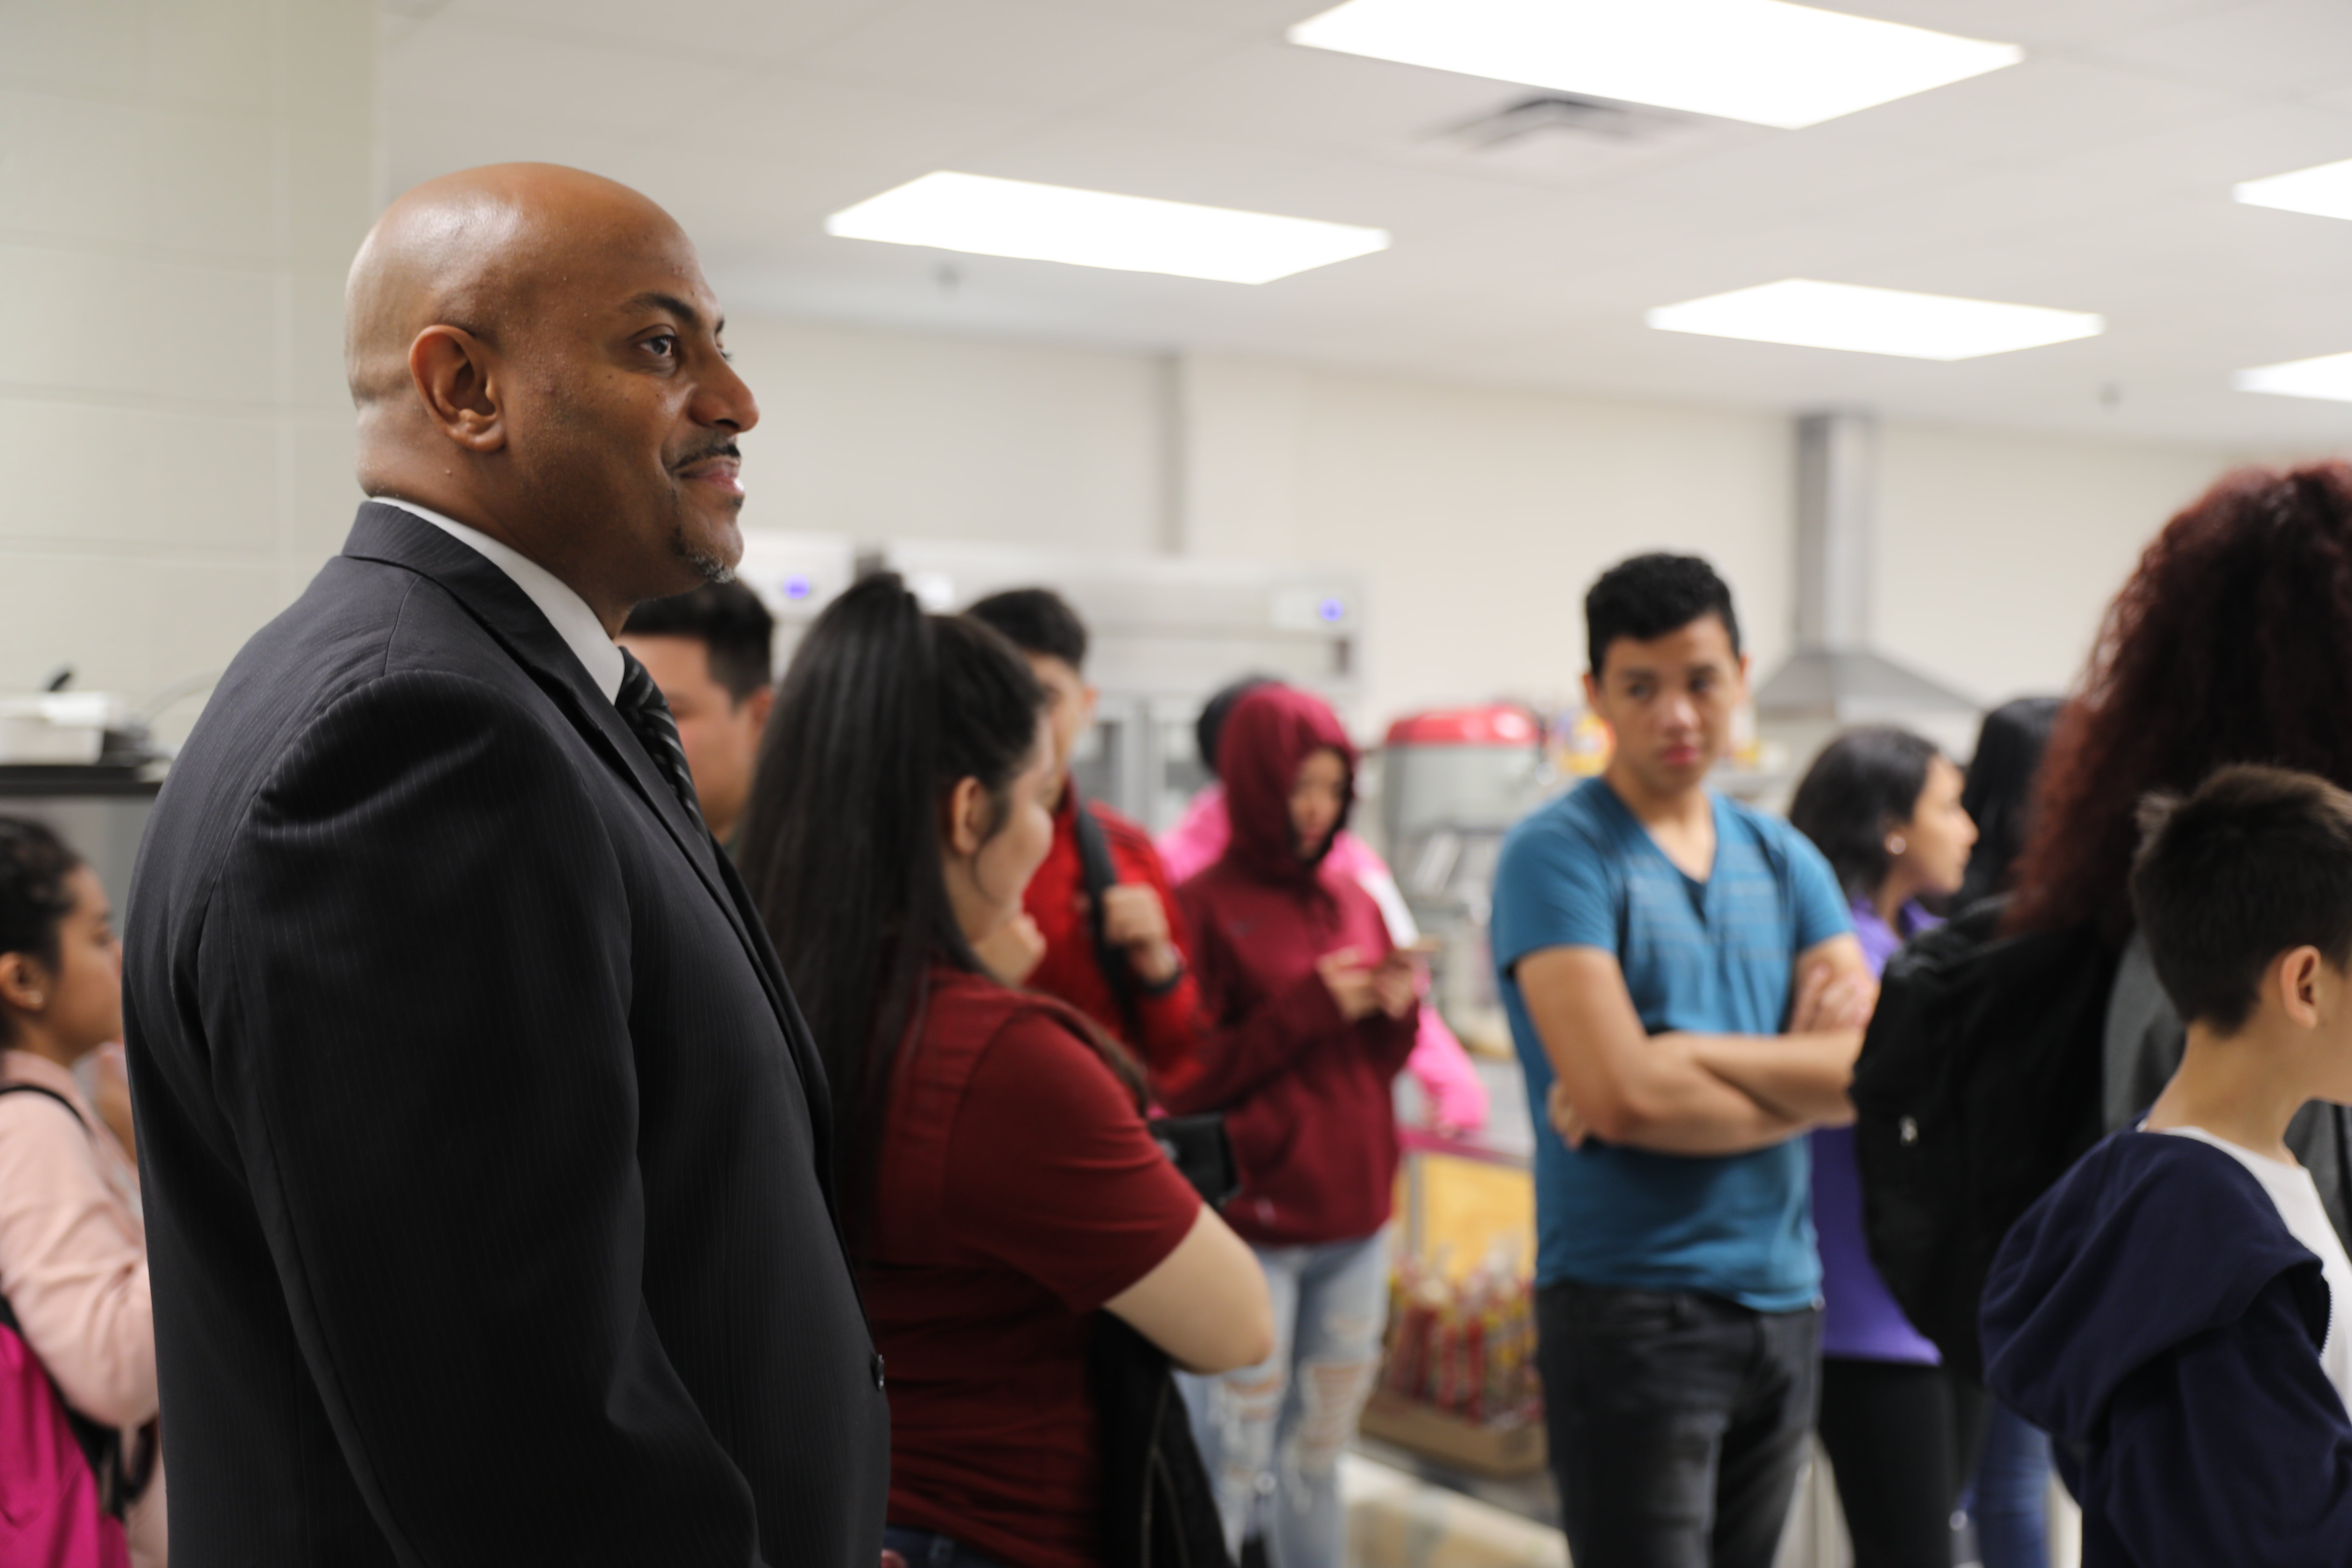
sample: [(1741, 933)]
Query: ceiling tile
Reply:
[(1010, 51), (739, 31), (2275, 47), (518, 79)]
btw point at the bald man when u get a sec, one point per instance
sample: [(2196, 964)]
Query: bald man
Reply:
[(487, 1155)]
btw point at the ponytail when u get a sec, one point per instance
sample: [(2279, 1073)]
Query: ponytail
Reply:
[(884, 708)]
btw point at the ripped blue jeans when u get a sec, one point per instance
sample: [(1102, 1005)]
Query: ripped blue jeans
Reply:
[(1271, 1435)]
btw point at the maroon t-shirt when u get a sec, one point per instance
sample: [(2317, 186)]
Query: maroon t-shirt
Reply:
[(1019, 1190)]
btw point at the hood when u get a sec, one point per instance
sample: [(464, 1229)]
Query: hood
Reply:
[(2148, 1241), (1269, 734)]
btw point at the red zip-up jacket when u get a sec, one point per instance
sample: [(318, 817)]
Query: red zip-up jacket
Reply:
[(1305, 1093), (1070, 972)]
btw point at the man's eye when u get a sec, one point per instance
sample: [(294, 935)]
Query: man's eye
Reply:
[(666, 343)]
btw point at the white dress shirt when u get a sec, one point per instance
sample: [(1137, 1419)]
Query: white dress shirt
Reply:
[(566, 611)]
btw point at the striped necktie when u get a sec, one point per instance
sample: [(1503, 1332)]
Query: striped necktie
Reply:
[(640, 702)]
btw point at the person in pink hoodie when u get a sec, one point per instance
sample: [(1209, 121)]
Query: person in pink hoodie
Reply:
[(1457, 1100), (73, 1247)]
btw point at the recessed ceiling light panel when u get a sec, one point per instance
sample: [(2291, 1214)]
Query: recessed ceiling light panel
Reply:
[(2328, 376), (1874, 321), (1096, 228), (2324, 192), (1763, 61)]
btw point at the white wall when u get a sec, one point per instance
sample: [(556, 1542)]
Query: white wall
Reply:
[(881, 434), (1477, 515), (184, 184), (1998, 553)]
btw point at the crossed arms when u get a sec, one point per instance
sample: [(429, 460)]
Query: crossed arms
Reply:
[(1694, 1094)]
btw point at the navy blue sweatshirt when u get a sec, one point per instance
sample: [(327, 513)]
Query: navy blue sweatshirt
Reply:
[(2154, 1314)]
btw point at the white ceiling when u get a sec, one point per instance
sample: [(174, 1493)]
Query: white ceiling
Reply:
[(2094, 177)]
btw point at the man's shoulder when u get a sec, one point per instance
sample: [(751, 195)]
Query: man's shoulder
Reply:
[(1577, 823), (1782, 847)]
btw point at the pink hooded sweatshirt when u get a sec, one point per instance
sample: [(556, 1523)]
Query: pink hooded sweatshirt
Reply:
[(1438, 1063)]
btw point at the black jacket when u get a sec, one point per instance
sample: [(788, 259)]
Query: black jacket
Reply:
[(484, 1150), (2154, 1314)]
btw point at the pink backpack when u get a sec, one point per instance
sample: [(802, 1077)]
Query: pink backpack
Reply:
[(60, 1474)]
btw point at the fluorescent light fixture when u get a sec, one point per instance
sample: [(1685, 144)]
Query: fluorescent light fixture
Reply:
[(2328, 376), (1759, 61), (1094, 228), (2324, 192), (1874, 321)]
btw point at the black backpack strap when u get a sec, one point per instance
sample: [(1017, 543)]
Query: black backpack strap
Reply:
[(1100, 875), (101, 1445), (46, 1094)]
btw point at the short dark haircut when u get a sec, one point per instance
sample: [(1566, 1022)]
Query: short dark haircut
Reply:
[(1648, 597), (1865, 784), (725, 617), (2258, 861), (1037, 621)]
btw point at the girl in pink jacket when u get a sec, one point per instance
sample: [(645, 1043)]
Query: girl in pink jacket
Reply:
[(73, 1247)]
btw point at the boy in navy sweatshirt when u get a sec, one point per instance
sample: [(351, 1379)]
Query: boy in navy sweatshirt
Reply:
[(2173, 1310)]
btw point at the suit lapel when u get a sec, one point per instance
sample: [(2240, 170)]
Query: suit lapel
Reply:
[(398, 537)]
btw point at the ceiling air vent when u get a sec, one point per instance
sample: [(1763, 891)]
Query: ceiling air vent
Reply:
[(1561, 113)]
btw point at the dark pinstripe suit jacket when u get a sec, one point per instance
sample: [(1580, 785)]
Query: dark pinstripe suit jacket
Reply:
[(486, 1152)]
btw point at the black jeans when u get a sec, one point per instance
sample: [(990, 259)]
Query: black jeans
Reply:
[(1677, 1423), (1903, 1440)]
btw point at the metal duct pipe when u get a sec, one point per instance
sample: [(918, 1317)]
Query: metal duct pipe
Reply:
[(1837, 514)]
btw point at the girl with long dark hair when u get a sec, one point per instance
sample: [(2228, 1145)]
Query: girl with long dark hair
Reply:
[(1000, 1185), (1883, 807)]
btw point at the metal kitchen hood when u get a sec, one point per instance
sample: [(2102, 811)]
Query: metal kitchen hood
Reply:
[(1835, 677)]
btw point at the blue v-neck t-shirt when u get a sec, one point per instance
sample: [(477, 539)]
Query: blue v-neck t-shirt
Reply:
[(1717, 958)]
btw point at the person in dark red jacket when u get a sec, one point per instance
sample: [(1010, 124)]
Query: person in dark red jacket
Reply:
[(1309, 1012), (1055, 949)]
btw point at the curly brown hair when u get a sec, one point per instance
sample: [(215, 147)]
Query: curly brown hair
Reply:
[(2232, 643)]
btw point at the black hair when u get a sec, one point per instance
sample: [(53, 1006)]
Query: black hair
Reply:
[(1209, 727), (1035, 620), (2258, 861), (884, 710), (1864, 784), (1999, 794), (35, 866), (1647, 596), (725, 617)]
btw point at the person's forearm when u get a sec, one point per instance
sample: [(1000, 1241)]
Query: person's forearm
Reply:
[(1708, 1117), (1678, 1106), (1801, 1077)]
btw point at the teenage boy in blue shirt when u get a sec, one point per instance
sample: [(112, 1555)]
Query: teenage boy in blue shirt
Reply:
[(1686, 996), (2174, 1310)]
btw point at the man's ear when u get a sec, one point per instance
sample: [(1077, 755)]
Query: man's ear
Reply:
[(1591, 691), (760, 703), (459, 381), (1094, 701)]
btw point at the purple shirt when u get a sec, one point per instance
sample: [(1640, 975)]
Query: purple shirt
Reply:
[(1860, 1320)]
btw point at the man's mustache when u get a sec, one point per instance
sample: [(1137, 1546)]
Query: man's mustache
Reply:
[(727, 448)]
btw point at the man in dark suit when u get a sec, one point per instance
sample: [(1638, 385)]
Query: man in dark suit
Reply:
[(487, 1155)]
